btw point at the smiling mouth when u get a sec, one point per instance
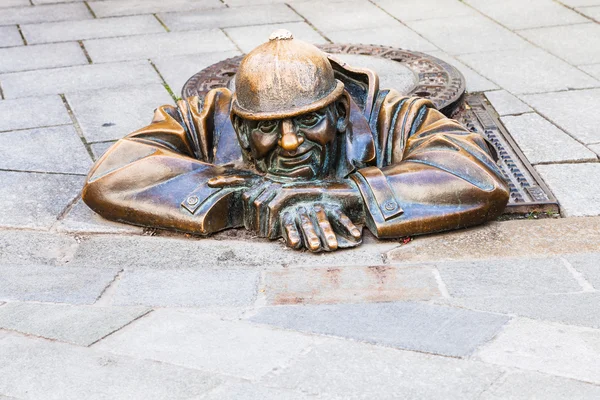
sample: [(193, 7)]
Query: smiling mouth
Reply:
[(293, 162)]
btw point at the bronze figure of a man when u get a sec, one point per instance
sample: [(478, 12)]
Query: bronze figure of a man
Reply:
[(305, 148)]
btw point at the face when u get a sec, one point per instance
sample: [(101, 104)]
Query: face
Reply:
[(298, 148)]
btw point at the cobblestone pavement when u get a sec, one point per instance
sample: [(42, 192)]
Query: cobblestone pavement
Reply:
[(97, 310)]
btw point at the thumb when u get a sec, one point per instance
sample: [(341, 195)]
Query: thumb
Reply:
[(229, 180)]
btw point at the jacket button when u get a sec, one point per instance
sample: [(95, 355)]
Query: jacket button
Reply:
[(192, 200), (390, 205)]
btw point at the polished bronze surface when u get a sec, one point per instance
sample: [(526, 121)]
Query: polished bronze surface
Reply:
[(292, 155)]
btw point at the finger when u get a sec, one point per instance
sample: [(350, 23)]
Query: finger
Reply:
[(231, 180), (347, 225), (327, 234), (290, 231), (248, 199), (311, 240)]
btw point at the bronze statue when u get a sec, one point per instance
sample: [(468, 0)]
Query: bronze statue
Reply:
[(305, 148)]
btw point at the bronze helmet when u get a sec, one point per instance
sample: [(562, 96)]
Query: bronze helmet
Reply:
[(282, 78)]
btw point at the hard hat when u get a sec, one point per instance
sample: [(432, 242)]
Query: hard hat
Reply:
[(283, 78)]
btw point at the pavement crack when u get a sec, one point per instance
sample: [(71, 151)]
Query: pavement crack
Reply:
[(106, 297)]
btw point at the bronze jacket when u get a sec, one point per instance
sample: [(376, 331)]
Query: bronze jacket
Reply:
[(417, 171)]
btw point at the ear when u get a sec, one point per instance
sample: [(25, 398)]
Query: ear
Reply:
[(240, 129), (342, 108)]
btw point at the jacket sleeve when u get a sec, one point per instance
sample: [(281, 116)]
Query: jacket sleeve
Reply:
[(432, 175), (157, 176)]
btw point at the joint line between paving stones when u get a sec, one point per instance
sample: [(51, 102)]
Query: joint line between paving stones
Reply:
[(579, 12), (35, 127), (578, 276), (500, 379), (85, 52), (231, 40), (121, 328), (164, 82), (77, 126), (21, 33), (160, 21), (309, 23), (90, 9), (105, 297), (40, 172), (2, 95), (65, 211)]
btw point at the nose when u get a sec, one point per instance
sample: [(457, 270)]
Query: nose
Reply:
[(289, 138)]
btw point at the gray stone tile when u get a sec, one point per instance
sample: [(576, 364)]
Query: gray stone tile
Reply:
[(528, 71), (78, 78), (474, 81), (72, 285), (14, 3), (90, 29), (113, 113), (592, 12), (81, 325), (9, 36), (543, 142), (456, 35), (207, 343), (349, 284), (251, 391), (57, 149), (411, 10), (516, 14), (110, 8), (411, 326), (23, 58), (229, 17), (25, 113), (595, 148), (574, 186), (580, 3), (45, 13), (32, 200), (505, 103), (40, 368), (50, 248), (81, 219), (178, 69), (576, 44), (248, 37), (573, 111), (348, 15), (187, 288), (593, 70), (573, 309), (556, 349), (511, 277), (531, 385), (157, 45), (99, 148), (588, 265), (348, 370), (172, 253), (38, 2), (396, 36)]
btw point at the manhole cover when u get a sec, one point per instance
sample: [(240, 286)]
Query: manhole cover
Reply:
[(419, 74)]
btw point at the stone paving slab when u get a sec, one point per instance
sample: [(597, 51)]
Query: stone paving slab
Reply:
[(187, 288), (25, 113), (411, 326), (397, 36), (574, 111), (229, 17), (111, 8), (90, 29), (348, 15), (80, 219), (592, 12), (248, 37), (543, 142), (207, 343), (469, 34), (157, 45), (53, 284), (474, 81), (9, 36), (24, 58), (595, 148), (349, 285), (588, 265), (178, 69), (531, 385), (45, 13), (576, 44), (81, 325), (572, 184), (249, 391), (99, 148), (501, 240), (556, 349), (111, 114), (50, 248), (34, 200), (516, 14), (39, 367), (14, 3), (505, 103), (57, 149), (508, 278), (580, 3), (411, 10), (78, 78), (593, 70), (528, 71), (348, 370)]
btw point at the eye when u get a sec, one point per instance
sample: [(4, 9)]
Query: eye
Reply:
[(267, 126), (309, 119)]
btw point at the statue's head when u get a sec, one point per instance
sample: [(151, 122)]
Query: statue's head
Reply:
[(289, 109)]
